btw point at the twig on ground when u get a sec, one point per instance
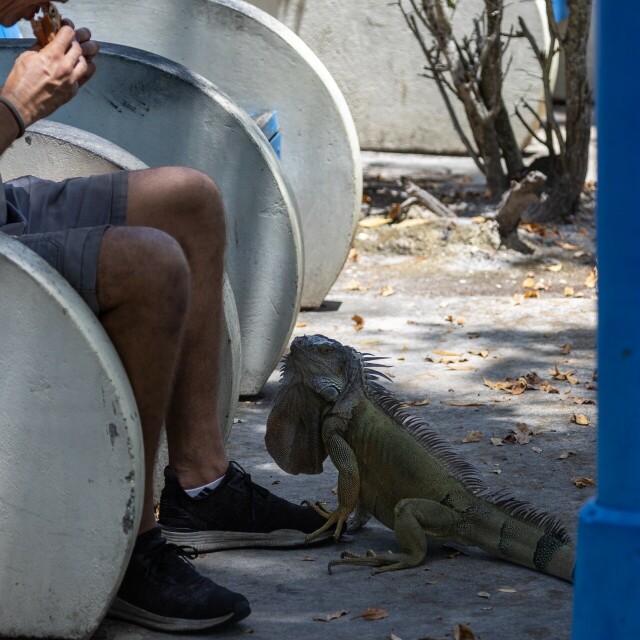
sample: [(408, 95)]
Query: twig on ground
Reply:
[(428, 200)]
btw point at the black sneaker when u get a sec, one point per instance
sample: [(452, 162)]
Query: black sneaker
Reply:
[(237, 513), (161, 590)]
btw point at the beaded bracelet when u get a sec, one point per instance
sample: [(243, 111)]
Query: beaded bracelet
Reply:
[(16, 115)]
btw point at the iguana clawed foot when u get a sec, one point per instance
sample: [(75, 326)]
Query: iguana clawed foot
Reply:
[(387, 562), (335, 519)]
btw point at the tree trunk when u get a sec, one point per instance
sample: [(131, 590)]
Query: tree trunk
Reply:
[(565, 193), (491, 85)]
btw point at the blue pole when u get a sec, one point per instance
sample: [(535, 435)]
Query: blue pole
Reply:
[(607, 588)]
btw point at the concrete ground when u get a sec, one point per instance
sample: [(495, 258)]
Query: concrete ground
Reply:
[(448, 320)]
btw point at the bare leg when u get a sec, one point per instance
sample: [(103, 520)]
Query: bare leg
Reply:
[(143, 292), (186, 204)]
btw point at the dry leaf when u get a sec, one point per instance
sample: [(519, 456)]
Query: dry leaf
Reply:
[(359, 322), (528, 283), (330, 616), (565, 455), (299, 325), (417, 403), (393, 636), (566, 375), (581, 419), (245, 629), (536, 449), (583, 400), (547, 388), (483, 353), (462, 367), (566, 348), (507, 590), (463, 632), (387, 291), (496, 471), (582, 482), (530, 293), (308, 559), (554, 268), (373, 222), (354, 256), (517, 299), (592, 278), (568, 292), (567, 246), (472, 436), (442, 352), (354, 285), (373, 614), (541, 285), (461, 321), (483, 594), (496, 442)]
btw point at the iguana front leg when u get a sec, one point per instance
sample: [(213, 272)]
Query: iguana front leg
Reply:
[(415, 521), (345, 462)]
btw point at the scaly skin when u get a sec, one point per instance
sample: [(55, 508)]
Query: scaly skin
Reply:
[(394, 468)]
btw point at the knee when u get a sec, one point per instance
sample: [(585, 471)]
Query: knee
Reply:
[(203, 202), (146, 269)]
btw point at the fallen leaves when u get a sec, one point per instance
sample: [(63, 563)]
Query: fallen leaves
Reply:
[(373, 614), (520, 435), (463, 632), (330, 616), (580, 419), (592, 279), (582, 482), (565, 455), (567, 376), (472, 436), (386, 291), (359, 322)]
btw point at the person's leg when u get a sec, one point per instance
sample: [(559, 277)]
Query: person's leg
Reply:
[(143, 290), (143, 295), (186, 205)]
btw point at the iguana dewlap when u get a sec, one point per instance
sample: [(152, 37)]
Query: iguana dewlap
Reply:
[(394, 467)]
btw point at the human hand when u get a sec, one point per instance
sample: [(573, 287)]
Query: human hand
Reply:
[(43, 79), (90, 48)]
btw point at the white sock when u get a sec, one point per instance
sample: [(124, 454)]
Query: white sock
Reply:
[(193, 493)]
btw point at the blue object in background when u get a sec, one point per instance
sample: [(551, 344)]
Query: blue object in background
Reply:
[(10, 32), (269, 125), (560, 10), (607, 586)]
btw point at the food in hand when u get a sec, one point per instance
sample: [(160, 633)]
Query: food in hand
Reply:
[(46, 25)]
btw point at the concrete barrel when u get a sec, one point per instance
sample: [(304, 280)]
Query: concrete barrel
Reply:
[(80, 153), (378, 65), (166, 115), (262, 65), (71, 459)]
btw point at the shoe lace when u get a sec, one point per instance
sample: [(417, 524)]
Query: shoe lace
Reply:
[(253, 490), (165, 553)]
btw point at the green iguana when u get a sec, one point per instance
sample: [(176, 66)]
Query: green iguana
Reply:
[(392, 466)]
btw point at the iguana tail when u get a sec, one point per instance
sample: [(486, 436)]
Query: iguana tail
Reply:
[(513, 530)]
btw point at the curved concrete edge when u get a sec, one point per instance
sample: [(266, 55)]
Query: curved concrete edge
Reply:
[(96, 145), (267, 315), (319, 139), (230, 373), (52, 606)]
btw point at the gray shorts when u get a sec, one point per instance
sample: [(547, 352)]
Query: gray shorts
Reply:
[(64, 222)]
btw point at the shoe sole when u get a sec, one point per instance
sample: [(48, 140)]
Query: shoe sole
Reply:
[(121, 610), (206, 541)]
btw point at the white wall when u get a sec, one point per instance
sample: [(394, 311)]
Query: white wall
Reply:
[(376, 62)]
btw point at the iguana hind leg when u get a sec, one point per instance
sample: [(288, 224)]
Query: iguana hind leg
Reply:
[(415, 521)]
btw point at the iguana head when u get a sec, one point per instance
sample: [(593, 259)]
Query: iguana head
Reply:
[(315, 376)]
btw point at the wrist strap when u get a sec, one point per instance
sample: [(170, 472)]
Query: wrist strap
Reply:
[(16, 115)]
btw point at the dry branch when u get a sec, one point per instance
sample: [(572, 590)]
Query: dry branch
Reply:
[(428, 200)]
